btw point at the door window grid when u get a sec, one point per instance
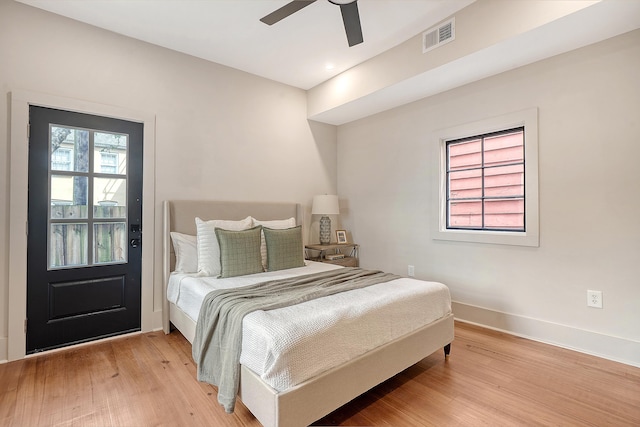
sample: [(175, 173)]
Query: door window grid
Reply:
[(70, 192)]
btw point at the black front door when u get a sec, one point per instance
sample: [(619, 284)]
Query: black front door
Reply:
[(84, 252)]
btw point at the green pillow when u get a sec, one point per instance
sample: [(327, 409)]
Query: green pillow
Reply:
[(284, 248), (239, 251)]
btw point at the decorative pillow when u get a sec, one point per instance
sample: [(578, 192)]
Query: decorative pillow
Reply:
[(239, 251), (276, 224), (184, 246), (207, 243), (284, 248)]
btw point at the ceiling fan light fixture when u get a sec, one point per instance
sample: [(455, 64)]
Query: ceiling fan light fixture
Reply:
[(341, 2)]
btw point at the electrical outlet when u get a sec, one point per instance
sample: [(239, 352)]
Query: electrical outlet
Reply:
[(594, 299), (411, 271)]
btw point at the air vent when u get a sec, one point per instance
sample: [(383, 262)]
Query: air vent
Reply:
[(439, 35)]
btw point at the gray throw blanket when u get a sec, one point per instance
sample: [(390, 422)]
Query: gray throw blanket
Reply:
[(218, 339)]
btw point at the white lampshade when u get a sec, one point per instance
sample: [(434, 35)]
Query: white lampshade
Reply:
[(325, 205)]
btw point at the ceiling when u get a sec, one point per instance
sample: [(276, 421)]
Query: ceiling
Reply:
[(294, 51)]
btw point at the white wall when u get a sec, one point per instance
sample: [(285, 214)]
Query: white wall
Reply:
[(589, 122), (220, 133), (481, 26)]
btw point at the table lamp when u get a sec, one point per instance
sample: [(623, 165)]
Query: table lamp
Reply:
[(325, 205)]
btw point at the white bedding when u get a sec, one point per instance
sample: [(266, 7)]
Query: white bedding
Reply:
[(290, 345)]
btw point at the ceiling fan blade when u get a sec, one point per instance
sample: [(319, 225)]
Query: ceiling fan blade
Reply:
[(351, 19), (286, 10)]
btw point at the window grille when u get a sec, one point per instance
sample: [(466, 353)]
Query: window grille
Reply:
[(486, 182)]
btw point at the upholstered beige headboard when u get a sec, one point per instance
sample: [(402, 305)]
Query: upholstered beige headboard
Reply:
[(179, 215)]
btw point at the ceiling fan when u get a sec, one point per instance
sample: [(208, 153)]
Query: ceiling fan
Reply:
[(348, 8)]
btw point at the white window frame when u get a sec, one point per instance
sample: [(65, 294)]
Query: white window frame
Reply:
[(59, 151), (531, 236), (104, 164)]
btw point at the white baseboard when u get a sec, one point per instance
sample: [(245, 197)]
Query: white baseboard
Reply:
[(157, 320), (594, 343), (608, 347), (4, 356)]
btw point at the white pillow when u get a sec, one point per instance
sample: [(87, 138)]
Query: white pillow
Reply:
[(276, 224), (184, 246), (208, 247)]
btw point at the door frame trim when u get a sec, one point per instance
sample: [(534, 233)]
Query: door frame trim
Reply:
[(18, 208)]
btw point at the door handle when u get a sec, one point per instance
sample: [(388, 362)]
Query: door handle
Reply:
[(134, 243)]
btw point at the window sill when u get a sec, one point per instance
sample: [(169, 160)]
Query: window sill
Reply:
[(515, 238)]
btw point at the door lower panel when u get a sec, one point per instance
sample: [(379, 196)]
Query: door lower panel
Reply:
[(85, 297)]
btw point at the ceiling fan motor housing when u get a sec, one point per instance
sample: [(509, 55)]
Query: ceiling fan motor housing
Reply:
[(348, 8)]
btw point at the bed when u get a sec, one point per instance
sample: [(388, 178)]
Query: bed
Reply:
[(315, 397)]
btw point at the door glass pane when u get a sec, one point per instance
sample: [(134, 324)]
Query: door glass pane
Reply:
[(109, 198), (110, 242), (68, 245), (73, 185), (110, 153), (68, 196), (69, 149)]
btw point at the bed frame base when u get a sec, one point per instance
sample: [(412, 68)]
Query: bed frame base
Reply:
[(319, 396), (311, 400)]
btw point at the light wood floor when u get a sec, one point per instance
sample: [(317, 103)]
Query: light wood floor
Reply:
[(490, 379)]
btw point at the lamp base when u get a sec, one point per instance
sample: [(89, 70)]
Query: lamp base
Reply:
[(325, 230)]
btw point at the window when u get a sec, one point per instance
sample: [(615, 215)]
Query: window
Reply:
[(108, 162), (485, 182), (487, 187), (62, 159)]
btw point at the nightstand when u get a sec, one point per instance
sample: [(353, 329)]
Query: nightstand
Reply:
[(319, 253)]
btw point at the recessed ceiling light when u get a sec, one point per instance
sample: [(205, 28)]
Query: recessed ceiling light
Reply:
[(329, 67)]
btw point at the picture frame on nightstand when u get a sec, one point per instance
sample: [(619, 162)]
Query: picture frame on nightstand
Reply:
[(341, 236)]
